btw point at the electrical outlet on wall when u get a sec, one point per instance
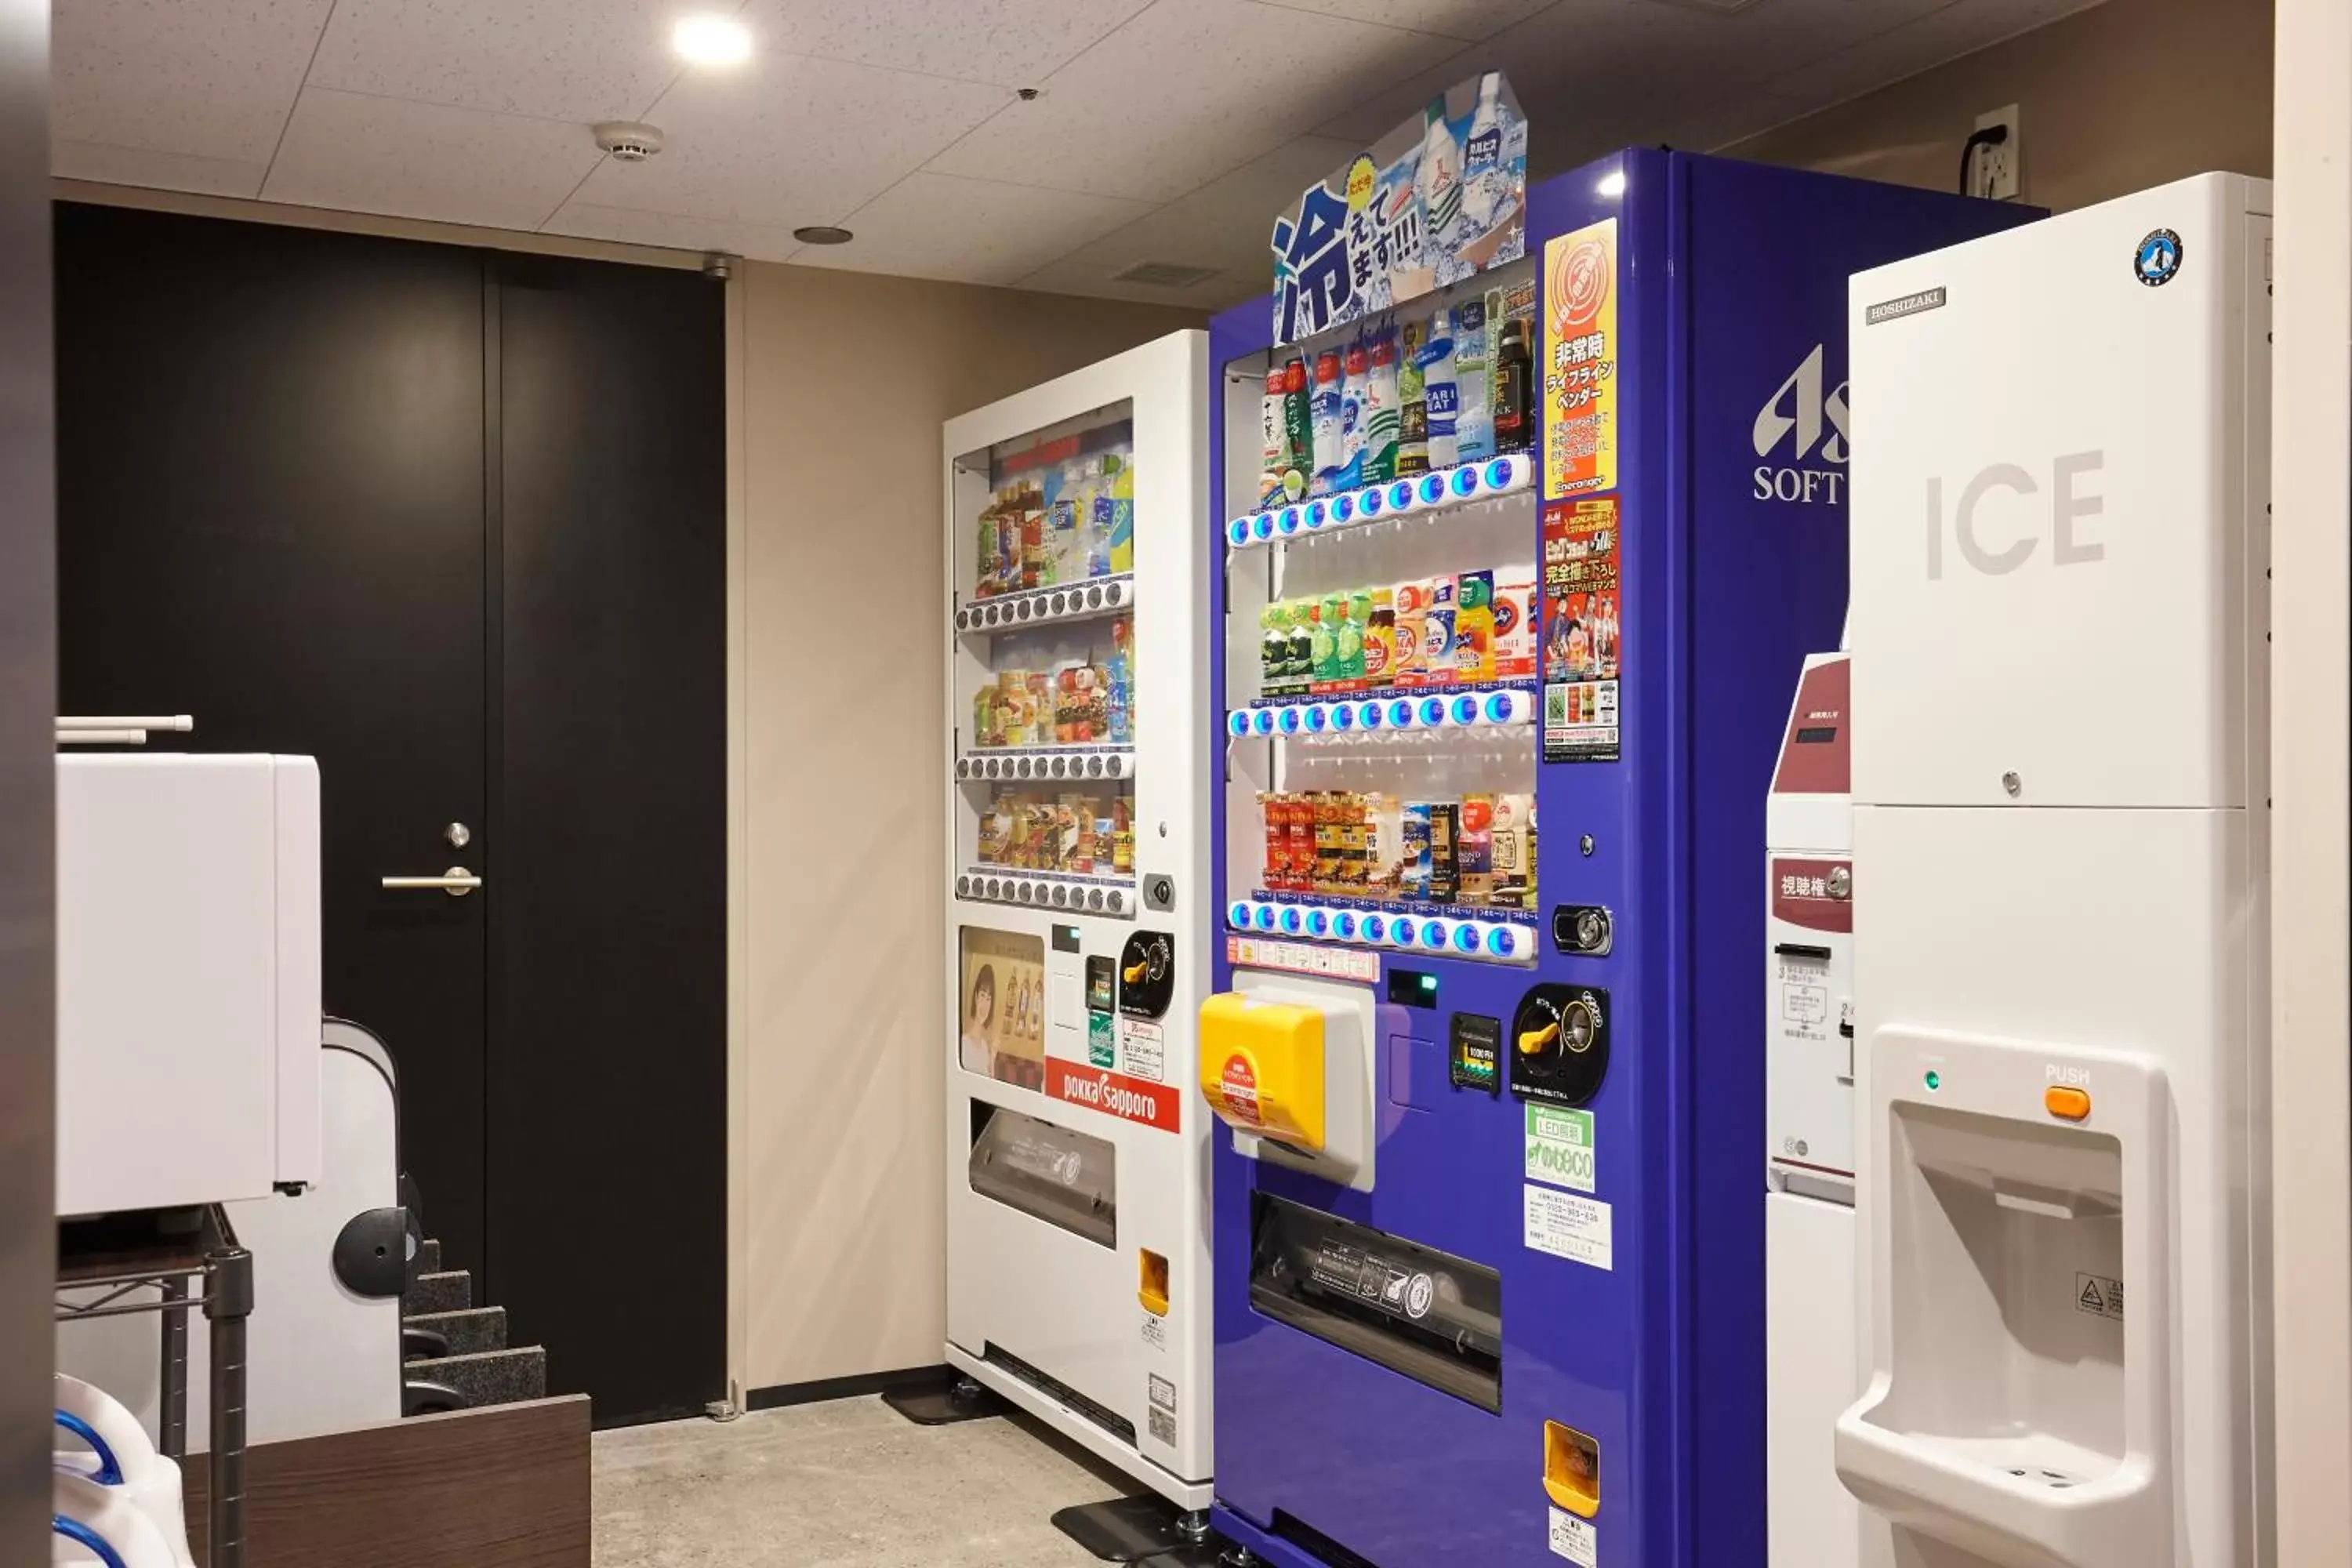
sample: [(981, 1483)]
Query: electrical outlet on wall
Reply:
[(1994, 172)]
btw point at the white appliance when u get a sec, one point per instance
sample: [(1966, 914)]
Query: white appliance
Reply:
[(2060, 539), (1809, 1290), (323, 1351), (188, 982), (1077, 1171)]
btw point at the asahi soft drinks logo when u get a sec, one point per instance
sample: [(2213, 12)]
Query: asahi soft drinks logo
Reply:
[(1800, 435)]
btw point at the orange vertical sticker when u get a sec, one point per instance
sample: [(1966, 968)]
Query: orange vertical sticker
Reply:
[(1580, 395)]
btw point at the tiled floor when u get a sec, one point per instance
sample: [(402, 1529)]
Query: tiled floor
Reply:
[(845, 1485)]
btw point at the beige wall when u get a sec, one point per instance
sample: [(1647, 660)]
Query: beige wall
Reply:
[(2130, 94), (847, 380)]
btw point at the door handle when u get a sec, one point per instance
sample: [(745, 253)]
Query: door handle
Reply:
[(457, 881)]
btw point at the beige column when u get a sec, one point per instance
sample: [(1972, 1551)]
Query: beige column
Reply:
[(2311, 649)]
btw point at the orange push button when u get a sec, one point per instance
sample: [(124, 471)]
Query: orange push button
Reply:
[(2066, 1104)]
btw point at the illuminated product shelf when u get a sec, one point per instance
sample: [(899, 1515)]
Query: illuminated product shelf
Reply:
[(1048, 890), (1038, 763), (1437, 491), (1494, 936), (1048, 606), (1482, 707)]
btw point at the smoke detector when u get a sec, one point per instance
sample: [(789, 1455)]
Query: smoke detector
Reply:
[(628, 141)]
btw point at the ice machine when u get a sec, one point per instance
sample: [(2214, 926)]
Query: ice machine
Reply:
[(2061, 543)]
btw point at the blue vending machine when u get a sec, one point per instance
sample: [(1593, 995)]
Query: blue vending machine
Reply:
[(1501, 706)]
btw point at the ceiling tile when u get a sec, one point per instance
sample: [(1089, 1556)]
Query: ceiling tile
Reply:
[(421, 160), (585, 220), (1183, 93), (1956, 29), (791, 141), (151, 170), (559, 59), (1225, 225), (1465, 19), (211, 79), (1013, 43), (971, 231)]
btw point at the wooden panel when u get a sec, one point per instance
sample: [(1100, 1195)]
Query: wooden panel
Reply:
[(504, 1485)]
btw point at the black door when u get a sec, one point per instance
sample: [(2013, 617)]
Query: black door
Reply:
[(271, 516), (454, 524), (608, 1085)]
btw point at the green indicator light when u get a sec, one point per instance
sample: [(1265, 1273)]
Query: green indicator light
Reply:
[(1935, 1081), (1429, 983)]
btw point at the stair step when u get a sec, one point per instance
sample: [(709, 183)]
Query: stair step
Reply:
[(468, 1332), (428, 1257), (450, 1292), (487, 1377)]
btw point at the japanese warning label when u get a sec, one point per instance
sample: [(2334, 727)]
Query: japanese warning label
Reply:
[(2100, 1296)]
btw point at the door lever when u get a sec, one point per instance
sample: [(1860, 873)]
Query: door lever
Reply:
[(457, 881)]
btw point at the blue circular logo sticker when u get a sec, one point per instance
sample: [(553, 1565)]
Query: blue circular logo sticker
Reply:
[(2157, 259)]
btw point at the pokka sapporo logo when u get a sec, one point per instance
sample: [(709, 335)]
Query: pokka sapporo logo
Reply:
[(1580, 282)]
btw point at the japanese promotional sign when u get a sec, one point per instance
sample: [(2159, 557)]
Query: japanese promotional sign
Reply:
[(1438, 199), (1582, 631), (1580, 374)]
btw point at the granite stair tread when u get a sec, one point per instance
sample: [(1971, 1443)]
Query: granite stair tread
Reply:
[(451, 1291), (475, 1330), (487, 1377)]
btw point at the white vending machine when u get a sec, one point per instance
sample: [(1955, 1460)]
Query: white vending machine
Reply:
[(2060, 543), (1077, 822), (1810, 1294)]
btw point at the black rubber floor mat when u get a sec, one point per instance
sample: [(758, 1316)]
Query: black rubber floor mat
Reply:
[(1135, 1530), (945, 1403)]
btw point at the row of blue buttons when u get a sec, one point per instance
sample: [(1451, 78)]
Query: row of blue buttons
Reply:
[(1401, 713), (1347, 925), (1440, 489)]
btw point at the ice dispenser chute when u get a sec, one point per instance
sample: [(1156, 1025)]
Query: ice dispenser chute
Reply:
[(2015, 1409), (1287, 1064)]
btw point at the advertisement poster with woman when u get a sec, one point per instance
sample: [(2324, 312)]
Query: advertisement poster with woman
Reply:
[(1000, 1006)]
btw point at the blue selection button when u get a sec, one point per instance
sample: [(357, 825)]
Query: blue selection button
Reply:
[(1432, 489), (1264, 917)]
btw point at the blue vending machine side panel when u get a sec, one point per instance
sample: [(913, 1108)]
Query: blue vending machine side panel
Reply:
[(1762, 441)]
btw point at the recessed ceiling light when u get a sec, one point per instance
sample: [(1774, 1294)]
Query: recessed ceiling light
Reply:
[(711, 40), (822, 234), (1611, 184)]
